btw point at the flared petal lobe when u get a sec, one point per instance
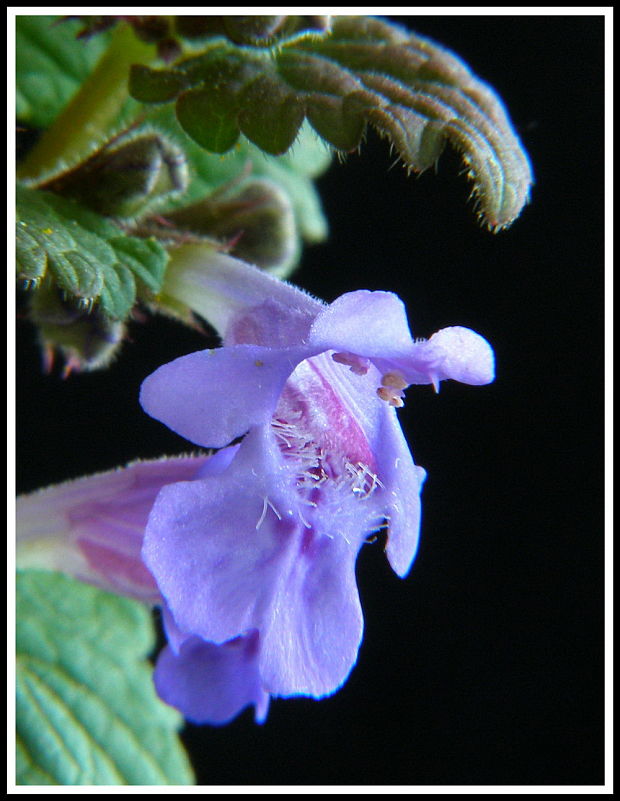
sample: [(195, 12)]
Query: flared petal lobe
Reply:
[(312, 639), (235, 553), (214, 396), (402, 481), (467, 357), (206, 544), (212, 683)]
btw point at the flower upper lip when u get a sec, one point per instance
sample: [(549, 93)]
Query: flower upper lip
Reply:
[(212, 397)]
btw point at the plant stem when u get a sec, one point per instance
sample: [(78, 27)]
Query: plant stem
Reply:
[(92, 110)]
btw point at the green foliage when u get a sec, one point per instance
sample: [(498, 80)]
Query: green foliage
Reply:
[(88, 246), (222, 146), (129, 175), (89, 259), (364, 71), (293, 171), (50, 66), (86, 708)]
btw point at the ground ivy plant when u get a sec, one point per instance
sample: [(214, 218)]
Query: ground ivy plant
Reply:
[(173, 169)]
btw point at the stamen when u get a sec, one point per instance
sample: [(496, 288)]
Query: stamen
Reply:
[(391, 389), (317, 470), (362, 480), (391, 396), (357, 364), (394, 380)]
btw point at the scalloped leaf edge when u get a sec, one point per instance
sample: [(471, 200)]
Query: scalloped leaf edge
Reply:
[(364, 72)]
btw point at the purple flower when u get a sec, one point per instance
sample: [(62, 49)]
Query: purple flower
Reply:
[(251, 552), (255, 557)]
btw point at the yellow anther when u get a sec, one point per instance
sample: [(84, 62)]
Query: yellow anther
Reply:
[(394, 380), (390, 396)]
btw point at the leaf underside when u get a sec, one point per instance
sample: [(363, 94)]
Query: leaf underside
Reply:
[(89, 258), (86, 709), (363, 72)]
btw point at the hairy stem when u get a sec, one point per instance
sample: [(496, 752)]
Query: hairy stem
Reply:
[(92, 109)]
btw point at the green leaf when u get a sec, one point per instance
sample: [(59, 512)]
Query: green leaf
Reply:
[(206, 115), (88, 257), (50, 66), (363, 72), (87, 713), (270, 115)]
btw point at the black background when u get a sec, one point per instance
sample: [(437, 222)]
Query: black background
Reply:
[(484, 666)]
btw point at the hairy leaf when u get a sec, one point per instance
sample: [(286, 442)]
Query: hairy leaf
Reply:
[(364, 71), (87, 713), (89, 259), (50, 66)]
